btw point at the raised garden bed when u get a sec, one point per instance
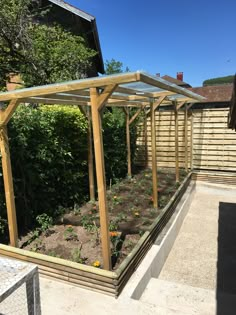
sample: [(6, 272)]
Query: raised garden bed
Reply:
[(109, 282), (76, 235)]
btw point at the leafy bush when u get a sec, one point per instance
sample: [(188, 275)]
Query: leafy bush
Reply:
[(49, 160), (48, 147), (115, 150)]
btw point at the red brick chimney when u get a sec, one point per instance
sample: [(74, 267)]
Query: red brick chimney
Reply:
[(180, 76)]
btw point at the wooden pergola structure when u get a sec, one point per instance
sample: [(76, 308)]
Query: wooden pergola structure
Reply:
[(127, 90)]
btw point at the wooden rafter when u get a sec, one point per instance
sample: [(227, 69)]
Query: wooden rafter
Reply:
[(8, 112)]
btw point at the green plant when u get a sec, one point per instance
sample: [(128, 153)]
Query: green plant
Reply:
[(76, 209), (37, 246), (116, 243), (89, 222), (113, 225), (69, 234), (76, 256), (45, 221), (121, 217)]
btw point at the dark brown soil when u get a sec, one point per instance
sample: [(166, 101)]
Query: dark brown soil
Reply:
[(76, 235)]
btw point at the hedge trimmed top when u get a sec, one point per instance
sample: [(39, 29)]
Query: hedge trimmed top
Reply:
[(130, 89)]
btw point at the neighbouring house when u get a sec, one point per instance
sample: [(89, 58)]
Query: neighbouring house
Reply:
[(216, 95), (178, 80), (79, 23)]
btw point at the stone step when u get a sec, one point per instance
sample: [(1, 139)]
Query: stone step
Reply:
[(185, 299)]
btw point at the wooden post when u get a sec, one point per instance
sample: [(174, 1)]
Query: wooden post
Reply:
[(128, 142), (153, 107), (8, 186), (191, 141), (176, 145), (186, 137), (97, 103), (154, 159), (129, 121), (145, 140), (90, 158)]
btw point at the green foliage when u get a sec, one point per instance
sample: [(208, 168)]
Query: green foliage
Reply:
[(113, 66), (58, 55), (49, 160), (70, 234), (44, 221), (115, 150), (48, 148), (40, 53), (220, 80), (76, 256)]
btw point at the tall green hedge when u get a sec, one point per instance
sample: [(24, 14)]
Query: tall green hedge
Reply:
[(48, 148)]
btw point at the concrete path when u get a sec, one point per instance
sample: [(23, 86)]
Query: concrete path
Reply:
[(199, 276)]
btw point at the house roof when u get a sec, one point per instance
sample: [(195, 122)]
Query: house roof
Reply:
[(215, 93), (175, 81), (91, 31)]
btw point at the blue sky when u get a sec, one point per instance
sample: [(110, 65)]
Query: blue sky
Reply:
[(196, 37)]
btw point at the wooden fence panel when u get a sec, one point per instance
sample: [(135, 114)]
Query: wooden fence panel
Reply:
[(165, 140), (214, 145)]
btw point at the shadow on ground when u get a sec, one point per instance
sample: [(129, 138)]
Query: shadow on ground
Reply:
[(226, 264)]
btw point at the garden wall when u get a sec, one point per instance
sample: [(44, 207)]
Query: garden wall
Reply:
[(212, 144)]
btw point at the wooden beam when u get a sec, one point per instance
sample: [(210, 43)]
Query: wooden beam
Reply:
[(128, 141), (153, 107), (100, 171), (189, 106), (135, 115), (7, 113), (70, 86), (176, 145), (145, 139), (186, 137), (180, 105), (8, 186), (154, 159), (191, 140), (156, 104), (126, 90), (163, 84), (41, 100), (104, 96)]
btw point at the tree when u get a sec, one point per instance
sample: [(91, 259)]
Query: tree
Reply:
[(40, 53), (113, 66), (220, 80)]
